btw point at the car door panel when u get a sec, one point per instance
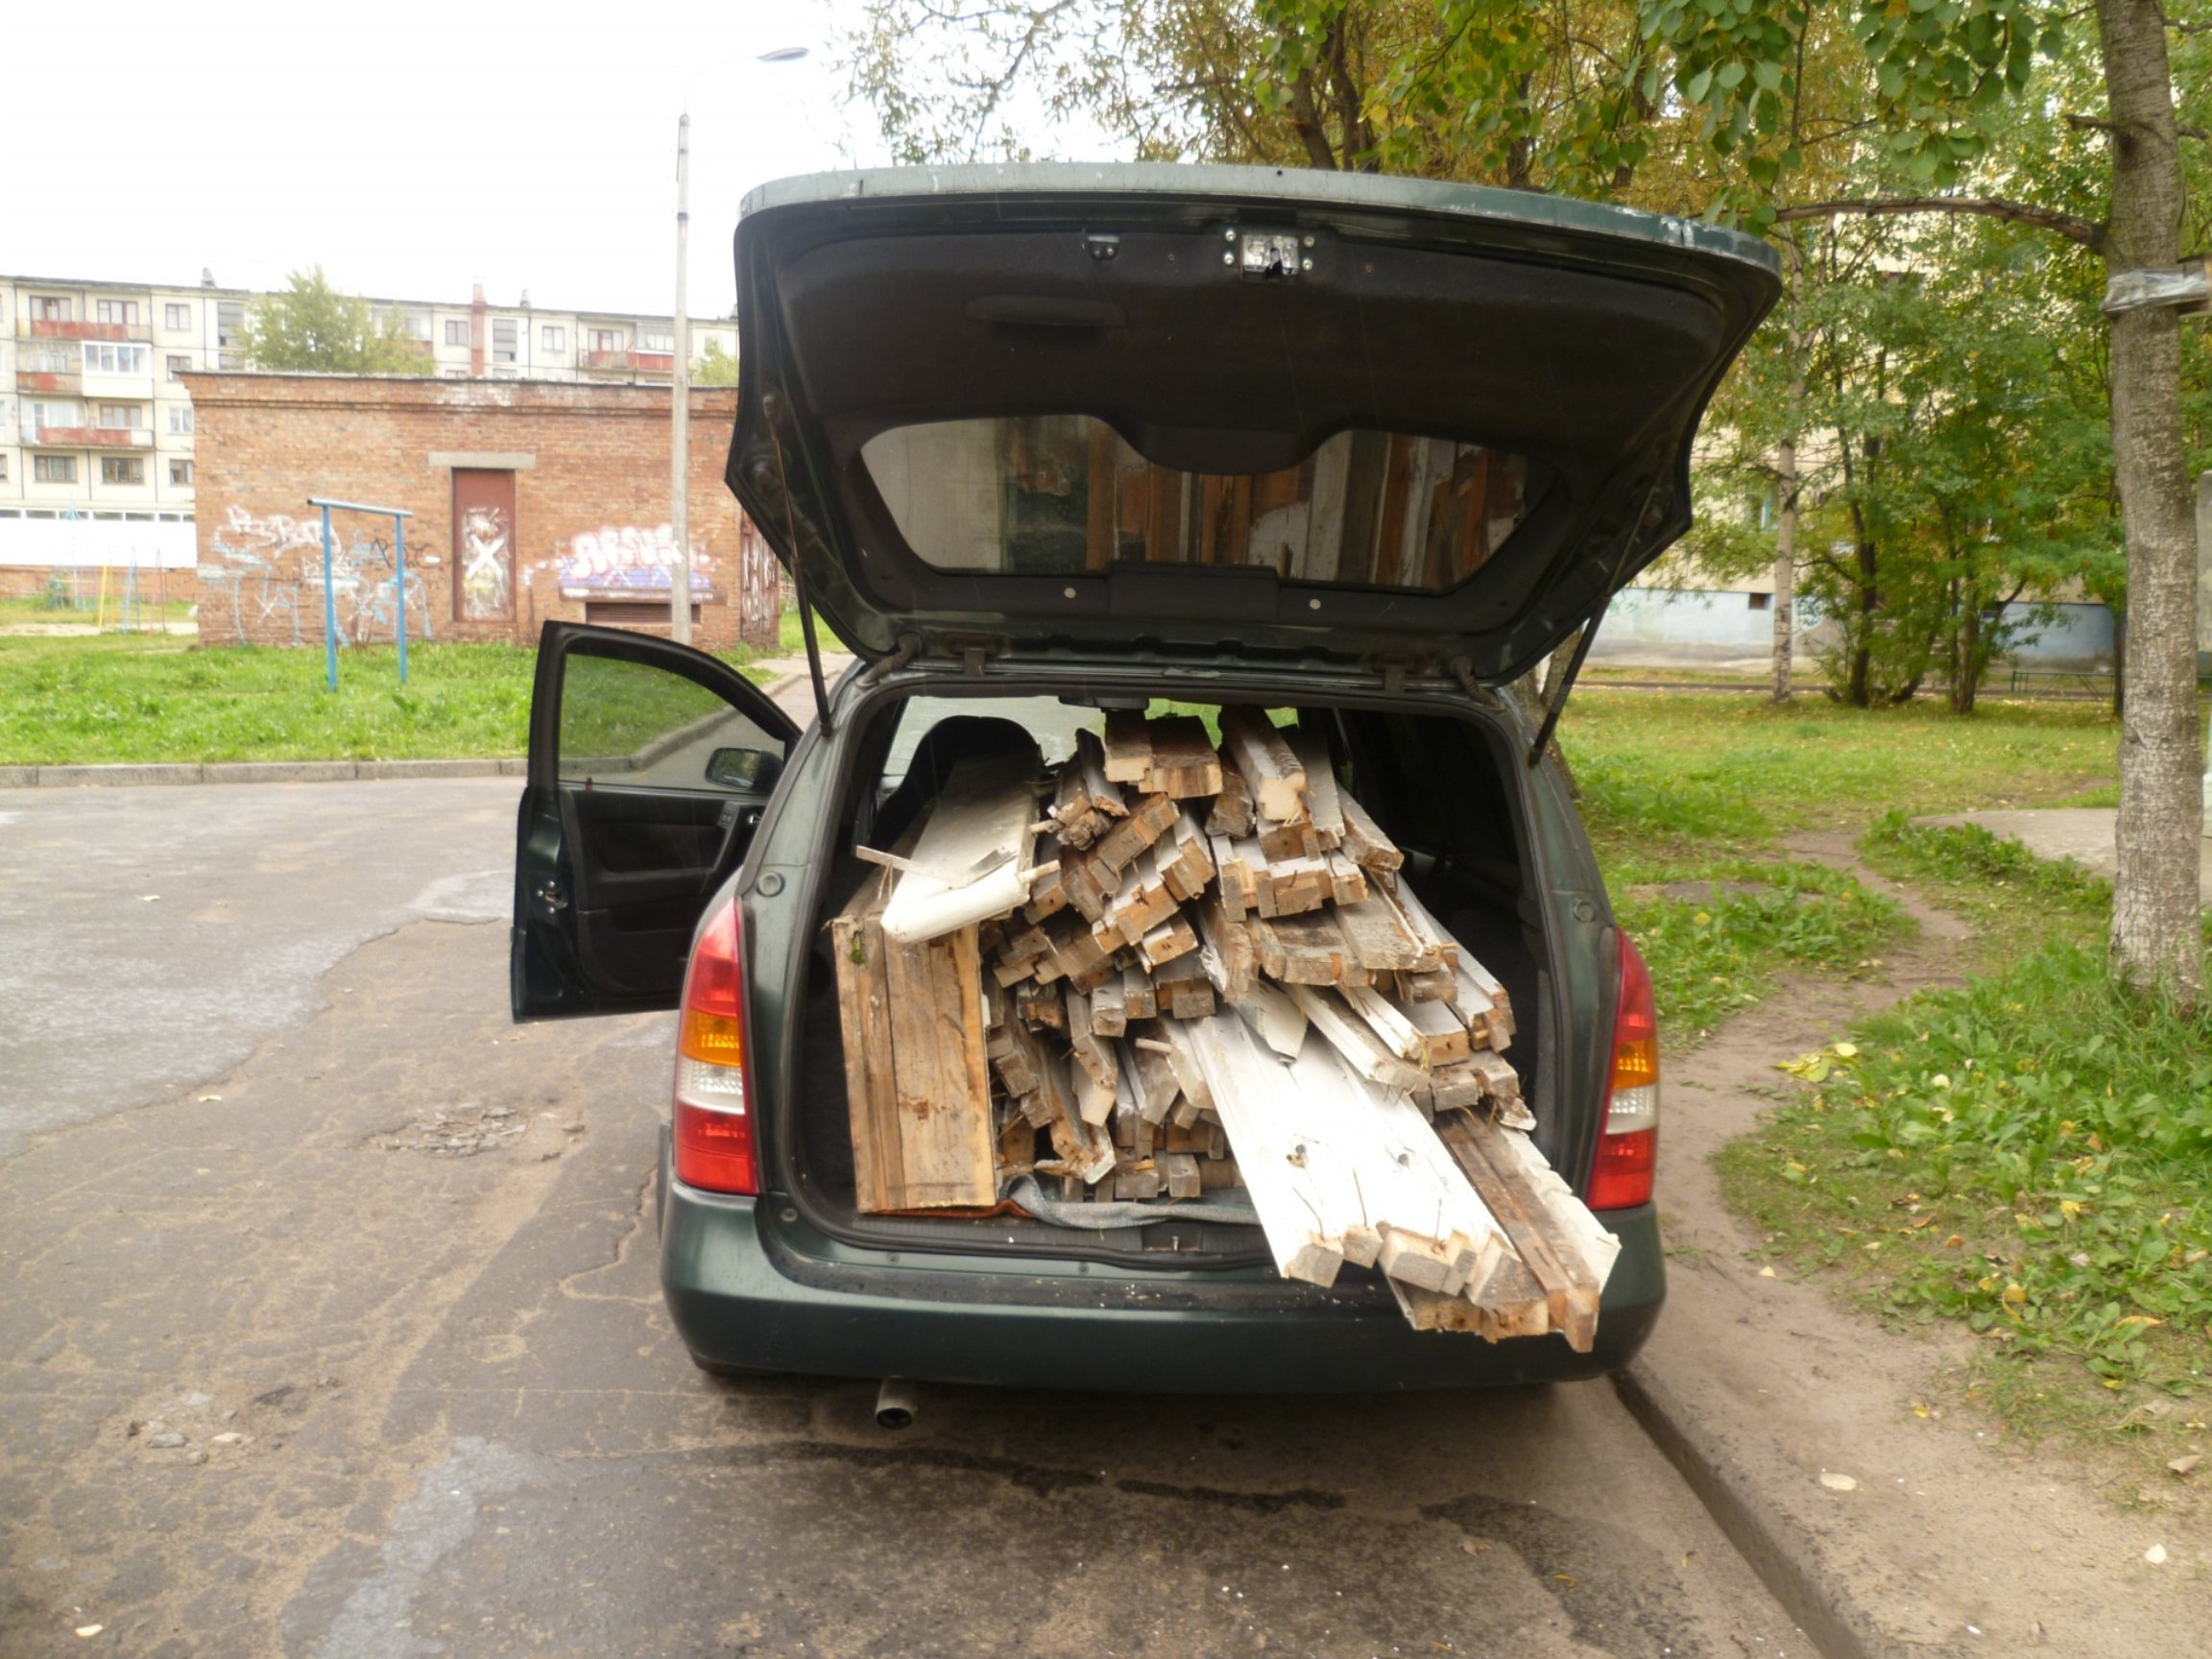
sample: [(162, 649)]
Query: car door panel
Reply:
[(650, 764)]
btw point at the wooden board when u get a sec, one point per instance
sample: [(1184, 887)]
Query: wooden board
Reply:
[(1277, 781), (1128, 746), (1569, 1287), (1310, 745), (1183, 762), (1231, 815), (915, 1031), (1364, 842), (976, 854)]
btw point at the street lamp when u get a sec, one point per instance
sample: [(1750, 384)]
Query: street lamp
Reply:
[(680, 408)]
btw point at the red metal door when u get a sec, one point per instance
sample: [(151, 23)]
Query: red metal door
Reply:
[(483, 546)]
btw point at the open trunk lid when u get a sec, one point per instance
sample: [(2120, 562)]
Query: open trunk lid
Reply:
[(1197, 411)]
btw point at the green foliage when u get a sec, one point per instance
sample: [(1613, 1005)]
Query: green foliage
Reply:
[(1716, 952), (715, 367), (110, 699), (2029, 1154), (310, 325)]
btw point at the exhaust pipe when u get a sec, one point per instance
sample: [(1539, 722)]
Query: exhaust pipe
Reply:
[(895, 1404)]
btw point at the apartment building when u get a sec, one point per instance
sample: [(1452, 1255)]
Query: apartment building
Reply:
[(96, 462)]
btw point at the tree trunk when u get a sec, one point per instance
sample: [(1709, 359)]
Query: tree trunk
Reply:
[(1967, 650), (2156, 933)]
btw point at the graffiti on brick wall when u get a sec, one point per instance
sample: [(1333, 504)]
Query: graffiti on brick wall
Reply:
[(759, 590), (267, 574), (627, 558), (487, 563)]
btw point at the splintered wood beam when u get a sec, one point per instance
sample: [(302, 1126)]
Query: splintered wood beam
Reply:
[(1279, 1173), (1287, 837), (1136, 998), (1128, 746), (1276, 1017), (1090, 762), (1377, 936), (1310, 745), (1109, 1009), (1087, 1148), (1181, 1171), (1306, 951), (1231, 815), (1164, 943), (1364, 842), (1182, 988), (1149, 818), (1569, 1286), (1183, 762), (1356, 1040), (1277, 781), (1443, 1038), (1152, 1077), (1391, 1028), (1484, 991), (1238, 865), (1231, 944)]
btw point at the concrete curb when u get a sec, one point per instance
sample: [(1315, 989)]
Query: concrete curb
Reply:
[(1788, 1563), (253, 772)]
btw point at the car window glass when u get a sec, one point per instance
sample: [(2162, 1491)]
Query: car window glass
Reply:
[(1061, 494), (1050, 721), (643, 725)]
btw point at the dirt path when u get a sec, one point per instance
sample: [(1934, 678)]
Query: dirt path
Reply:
[(1951, 1539)]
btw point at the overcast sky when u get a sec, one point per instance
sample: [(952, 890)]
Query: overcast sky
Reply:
[(413, 149)]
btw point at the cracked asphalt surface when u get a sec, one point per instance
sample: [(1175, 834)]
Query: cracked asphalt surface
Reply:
[(329, 1326)]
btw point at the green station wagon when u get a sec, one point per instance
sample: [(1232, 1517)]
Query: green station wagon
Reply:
[(1042, 442)]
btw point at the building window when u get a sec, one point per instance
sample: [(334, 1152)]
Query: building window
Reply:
[(123, 311), (552, 338), (506, 335), (656, 340), (456, 330), (178, 366), (181, 473), (120, 416), (38, 416), (174, 316), (53, 469), (416, 325), (122, 469), (3, 468), (180, 416), (1760, 601), (49, 308), (105, 359), (606, 339), (229, 325)]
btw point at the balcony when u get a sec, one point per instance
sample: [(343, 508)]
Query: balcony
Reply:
[(67, 381), (88, 437), (630, 362), (45, 329)]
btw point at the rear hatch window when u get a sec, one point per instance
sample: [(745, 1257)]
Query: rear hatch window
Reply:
[(1062, 494)]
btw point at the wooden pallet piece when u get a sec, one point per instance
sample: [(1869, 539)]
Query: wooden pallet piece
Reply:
[(1250, 741)]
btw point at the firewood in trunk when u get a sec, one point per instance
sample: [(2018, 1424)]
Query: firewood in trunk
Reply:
[(1128, 746), (1364, 842), (1136, 998), (1182, 989), (1277, 781), (1310, 745), (1231, 815), (1182, 763)]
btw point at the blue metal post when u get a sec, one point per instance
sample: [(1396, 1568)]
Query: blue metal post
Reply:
[(399, 587), (329, 607)]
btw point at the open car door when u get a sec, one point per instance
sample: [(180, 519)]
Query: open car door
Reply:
[(650, 763)]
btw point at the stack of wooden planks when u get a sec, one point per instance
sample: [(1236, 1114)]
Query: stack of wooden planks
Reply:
[(1173, 967)]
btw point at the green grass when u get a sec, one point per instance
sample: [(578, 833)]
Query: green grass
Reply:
[(150, 698), (16, 612), (2028, 1156)]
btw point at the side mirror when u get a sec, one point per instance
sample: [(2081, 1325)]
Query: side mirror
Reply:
[(753, 769)]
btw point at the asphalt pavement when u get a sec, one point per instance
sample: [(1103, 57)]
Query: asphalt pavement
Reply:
[(329, 1326)]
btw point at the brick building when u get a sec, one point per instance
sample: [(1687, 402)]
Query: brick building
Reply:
[(531, 500)]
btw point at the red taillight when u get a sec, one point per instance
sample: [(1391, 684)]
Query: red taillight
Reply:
[(713, 1126), (1628, 1149)]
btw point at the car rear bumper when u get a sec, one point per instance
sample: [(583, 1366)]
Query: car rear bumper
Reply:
[(749, 1285)]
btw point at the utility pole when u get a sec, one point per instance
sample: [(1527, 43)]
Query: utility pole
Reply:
[(680, 407)]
